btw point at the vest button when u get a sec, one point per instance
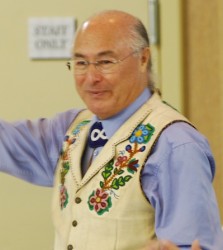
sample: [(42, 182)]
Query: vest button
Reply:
[(78, 200), (74, 223), (70, 247)]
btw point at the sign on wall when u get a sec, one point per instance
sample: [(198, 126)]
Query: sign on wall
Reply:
[(51, 38)]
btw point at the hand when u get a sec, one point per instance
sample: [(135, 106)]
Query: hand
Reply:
[(167, 245)]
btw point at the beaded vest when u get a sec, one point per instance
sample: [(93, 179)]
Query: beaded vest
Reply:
[(107, 209)]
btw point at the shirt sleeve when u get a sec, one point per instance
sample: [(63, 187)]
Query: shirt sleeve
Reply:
[(30, 149), (177, 180)]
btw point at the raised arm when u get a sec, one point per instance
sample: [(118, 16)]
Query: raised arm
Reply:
[(30, 149)]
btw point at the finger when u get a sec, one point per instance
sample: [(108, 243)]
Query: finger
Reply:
[(195, 245), (167, 245), (154, 245)]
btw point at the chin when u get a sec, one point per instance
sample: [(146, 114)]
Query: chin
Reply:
[(101, 110), (96, 110), (101, 113)]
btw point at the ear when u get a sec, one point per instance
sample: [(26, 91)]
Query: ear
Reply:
[(145, 58)]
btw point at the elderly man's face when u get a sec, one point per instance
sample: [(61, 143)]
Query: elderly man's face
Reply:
[(107, 94)]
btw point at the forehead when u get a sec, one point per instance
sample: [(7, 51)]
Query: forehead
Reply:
[(98, 37), (100, 54)]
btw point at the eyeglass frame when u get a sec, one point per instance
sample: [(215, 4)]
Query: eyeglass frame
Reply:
[(97, 64)]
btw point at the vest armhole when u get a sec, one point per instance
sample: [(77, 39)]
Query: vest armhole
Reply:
[(152, 148)]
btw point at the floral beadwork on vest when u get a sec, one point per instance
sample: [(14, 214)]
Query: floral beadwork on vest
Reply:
[(68, 141), (120, 170)]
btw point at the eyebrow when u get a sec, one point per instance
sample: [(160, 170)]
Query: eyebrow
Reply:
[(103, 53)]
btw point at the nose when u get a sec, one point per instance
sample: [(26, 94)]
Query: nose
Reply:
[(92, 72)]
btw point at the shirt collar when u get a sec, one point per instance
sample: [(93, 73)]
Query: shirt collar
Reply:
[(112, 124)]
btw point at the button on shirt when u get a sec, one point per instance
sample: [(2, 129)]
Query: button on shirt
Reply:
[(177, 177)]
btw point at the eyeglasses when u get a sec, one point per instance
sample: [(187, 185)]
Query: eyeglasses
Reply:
[(105, 66)]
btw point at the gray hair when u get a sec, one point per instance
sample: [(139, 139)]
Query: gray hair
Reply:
[(139, 39)]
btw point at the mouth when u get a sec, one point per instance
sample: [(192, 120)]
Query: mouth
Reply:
[(96, 93)]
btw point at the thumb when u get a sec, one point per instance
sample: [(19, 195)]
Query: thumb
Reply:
[(167, 245), (195, 245)]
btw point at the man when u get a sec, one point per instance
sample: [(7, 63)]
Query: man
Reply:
[(130, 168)]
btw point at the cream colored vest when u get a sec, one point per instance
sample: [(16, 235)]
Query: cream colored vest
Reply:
[(107, 209)]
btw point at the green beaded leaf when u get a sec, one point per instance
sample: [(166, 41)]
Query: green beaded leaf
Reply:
[(120, 172), (115, 184), (109, 166), (101, 184), (106, 174), (151, 130), (89, 204), (127, 178), (66, 166), (121, 181)]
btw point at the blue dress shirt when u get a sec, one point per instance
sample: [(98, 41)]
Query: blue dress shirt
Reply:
[(177, 177)]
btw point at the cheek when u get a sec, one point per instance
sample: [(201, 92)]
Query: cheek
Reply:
[(79, 82), (122, 83)]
